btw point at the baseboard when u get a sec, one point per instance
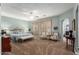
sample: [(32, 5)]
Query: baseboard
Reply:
[(76, 53)]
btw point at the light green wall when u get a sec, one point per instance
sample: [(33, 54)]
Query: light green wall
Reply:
[(67, 15), (70, 14), (76, 25), (12, 22), (57, 21)]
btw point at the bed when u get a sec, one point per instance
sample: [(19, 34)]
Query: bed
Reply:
[(21, 36)]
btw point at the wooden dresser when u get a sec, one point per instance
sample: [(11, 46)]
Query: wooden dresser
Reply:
[(6, 47)]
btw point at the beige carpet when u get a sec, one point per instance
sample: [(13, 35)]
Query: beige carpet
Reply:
[(40, 47)]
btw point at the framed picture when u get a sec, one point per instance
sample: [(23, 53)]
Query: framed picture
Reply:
[(73, 25), (55, 28)]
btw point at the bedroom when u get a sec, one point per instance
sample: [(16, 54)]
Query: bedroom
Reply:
[(40, 23)]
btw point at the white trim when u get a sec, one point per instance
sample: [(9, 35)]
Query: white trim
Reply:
[(77, 53)]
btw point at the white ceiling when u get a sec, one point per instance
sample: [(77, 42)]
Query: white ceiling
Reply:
[(33, 11)]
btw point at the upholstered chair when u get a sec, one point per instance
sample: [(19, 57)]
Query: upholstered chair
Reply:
[(54, 36)]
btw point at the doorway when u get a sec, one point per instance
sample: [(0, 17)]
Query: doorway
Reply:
[(65, 27)]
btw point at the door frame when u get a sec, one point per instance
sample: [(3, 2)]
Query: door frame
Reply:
[(62, 27)]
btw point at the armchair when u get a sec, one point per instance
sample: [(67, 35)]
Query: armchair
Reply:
[(43, 35), (54, 36)]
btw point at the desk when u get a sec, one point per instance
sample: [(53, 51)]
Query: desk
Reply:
[(72, 42)]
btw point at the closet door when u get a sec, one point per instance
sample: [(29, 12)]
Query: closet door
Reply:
[(33, 28), (36, 28), (42, 27), (48, 27), (45, 27), (39, 29)]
